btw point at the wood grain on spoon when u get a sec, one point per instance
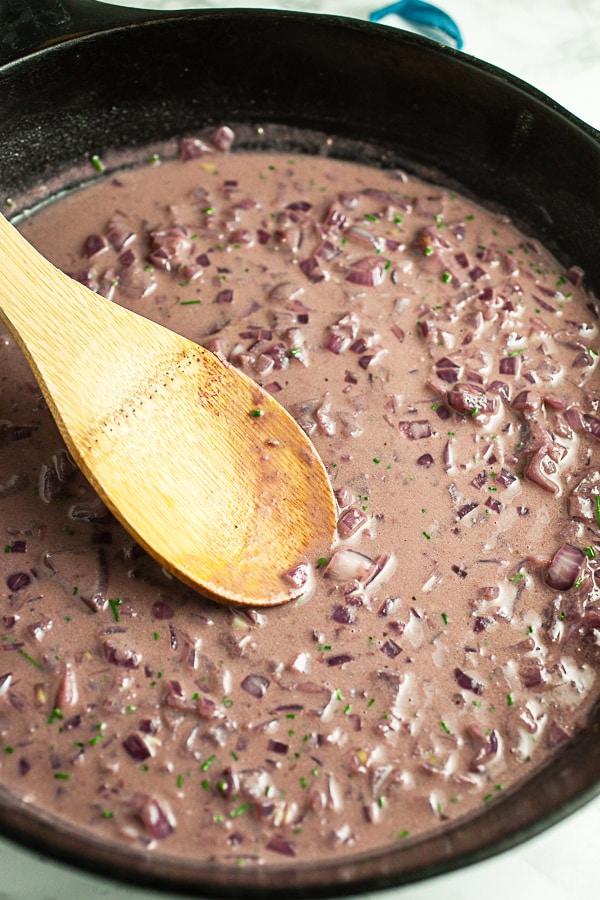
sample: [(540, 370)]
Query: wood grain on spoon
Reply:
[(204, 468)]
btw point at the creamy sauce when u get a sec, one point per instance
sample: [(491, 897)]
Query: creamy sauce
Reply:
[(444, 366)]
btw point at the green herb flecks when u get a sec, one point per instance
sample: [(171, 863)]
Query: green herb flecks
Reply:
[(34, 662), (114, 604)]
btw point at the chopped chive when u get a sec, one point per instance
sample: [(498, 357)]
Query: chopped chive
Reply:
[(114, 605), (30, 659), (208, 763), (240, 810)]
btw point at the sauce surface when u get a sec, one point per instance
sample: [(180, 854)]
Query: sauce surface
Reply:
[(445, 367)]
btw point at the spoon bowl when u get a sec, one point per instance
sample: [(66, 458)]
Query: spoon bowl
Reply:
[(202, 466)]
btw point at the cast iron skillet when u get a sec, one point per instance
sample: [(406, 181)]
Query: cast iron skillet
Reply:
[(79, 78)]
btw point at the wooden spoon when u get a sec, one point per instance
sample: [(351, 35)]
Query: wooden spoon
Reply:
[(204, 468)]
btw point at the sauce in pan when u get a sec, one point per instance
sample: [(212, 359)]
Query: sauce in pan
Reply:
[(445, 366)]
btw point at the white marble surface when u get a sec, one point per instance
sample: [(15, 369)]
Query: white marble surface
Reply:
[(554, 45)]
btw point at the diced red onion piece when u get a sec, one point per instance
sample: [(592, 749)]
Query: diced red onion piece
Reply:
[(465, 510), (556, 734), (312, 269), (344, 615), (493, 504), (565, 567), (17, 581), (508, 365), (5, 683), (505, 477), (350, 522), (575, 419), (449, 375), (592, 426), (67, 693), (121, 656), (340, 659), (161, 610), (391, 649), (368, 272), (539, 467), (527, 400), (93, 244), (192, 148), (297, 575), (281, 845), (467, 682), (223, 138), (347, 565), (415, 430), (531, 674), (255, 685), (426, 459), (136, 747), (156, 817)]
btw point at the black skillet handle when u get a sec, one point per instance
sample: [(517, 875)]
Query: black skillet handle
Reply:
[(30, 25)]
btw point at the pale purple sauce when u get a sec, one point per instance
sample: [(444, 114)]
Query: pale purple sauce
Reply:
[(444, 366)]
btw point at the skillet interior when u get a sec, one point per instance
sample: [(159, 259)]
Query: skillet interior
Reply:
[(439, 114)]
